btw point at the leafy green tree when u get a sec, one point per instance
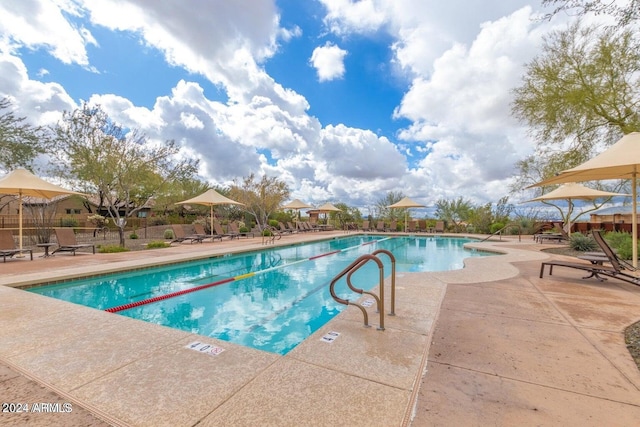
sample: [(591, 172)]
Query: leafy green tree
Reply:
[(347, 214), (119, 166), (581, 91), (454, 211), (20, 142), (261, 197), (625, 12), (390, 198)]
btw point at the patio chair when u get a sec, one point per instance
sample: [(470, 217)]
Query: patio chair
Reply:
[(365, 226), (8, 246), (393, 226), (219, 231), (67, 242), (200, 232), (411, 226), (180, 236), (284, 229), (233, 228), (292, 227), (380, 226), (618, 269), (439, 227)]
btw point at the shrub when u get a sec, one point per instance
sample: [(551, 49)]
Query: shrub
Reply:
[(69, 222), (133, 236), (168, 234), (582, 243), (110, 249), (496, 226), (244, 229), (273, 223), (621, 242), (157, 244), (266, 232), (158, 220)]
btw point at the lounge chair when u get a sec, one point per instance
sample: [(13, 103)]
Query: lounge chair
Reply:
[(233, 228), (180, 236), (618, 269), (411, 227), (422, 225), (67, 242), (284, 229), (200, 232), (8, 246), (365, 226), (393, 227), (292, 227), (380, 226), (219, 231), (439, 227)]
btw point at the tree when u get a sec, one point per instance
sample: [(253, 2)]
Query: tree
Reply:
[(454, 211), (582, 90), (347, 214), (20, 142), (121, 167), (624, 13), (389, 199), (260, 198)]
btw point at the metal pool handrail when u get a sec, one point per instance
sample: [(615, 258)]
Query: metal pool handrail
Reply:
[(348, 271)]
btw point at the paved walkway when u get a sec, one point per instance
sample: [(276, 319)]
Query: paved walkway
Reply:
[(508, 349)]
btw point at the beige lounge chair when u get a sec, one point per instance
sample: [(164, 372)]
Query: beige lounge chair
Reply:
[(411, 227), (380, 226), (393, 227), (365, 226), (8, 246), (67, 242), (439, 227)]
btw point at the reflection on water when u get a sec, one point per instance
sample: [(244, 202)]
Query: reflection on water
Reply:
[(283, 301)]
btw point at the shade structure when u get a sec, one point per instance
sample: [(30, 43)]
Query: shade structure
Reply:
[(297, 205), (22, 183), (405, 203), (327, 207), (210, 198), (620, 161), (572, 191)]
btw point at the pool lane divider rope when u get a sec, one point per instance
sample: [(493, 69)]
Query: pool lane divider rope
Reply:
[(227, 280)]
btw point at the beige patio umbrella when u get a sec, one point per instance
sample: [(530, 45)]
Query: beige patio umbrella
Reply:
[(328, 207), (210, 198), (620, 161), (572, 191), (296, 205), (22, 183), (406, 203)]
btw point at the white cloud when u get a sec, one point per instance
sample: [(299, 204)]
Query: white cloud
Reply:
[(461, 139), (328, 60)]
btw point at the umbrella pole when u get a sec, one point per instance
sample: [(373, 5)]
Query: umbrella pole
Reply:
[(20, 220), (211, 225), (634, 221)]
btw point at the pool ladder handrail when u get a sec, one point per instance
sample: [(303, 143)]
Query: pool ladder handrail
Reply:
[(275, 233), (352, 268)]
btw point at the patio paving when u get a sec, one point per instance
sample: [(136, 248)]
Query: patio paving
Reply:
[(491, 344)]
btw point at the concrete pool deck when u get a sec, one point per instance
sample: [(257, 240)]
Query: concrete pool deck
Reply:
[(499, 346)]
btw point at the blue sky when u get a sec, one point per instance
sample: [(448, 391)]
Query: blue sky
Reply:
[(343, 100)]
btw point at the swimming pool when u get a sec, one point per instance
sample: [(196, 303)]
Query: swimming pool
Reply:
[(270, 299)]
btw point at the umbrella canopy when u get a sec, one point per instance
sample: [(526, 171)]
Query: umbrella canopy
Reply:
[(210, 198), (405, 203), (296, 204), (572, 191), (328, 207), (23, 183), (620, 161)]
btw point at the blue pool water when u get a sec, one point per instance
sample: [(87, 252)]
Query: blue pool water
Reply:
[(271, 299)]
